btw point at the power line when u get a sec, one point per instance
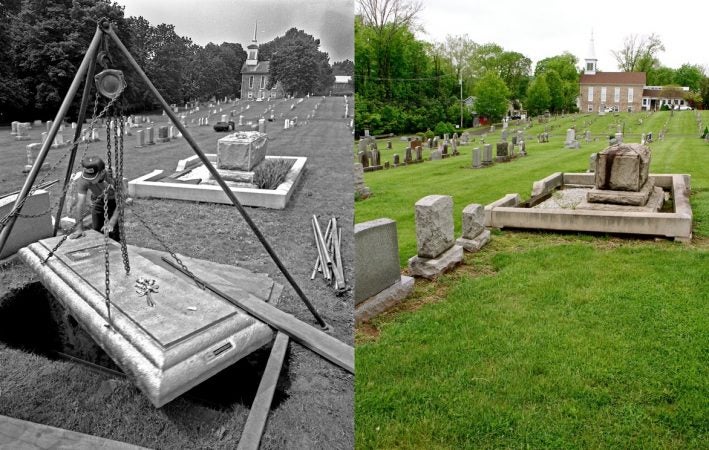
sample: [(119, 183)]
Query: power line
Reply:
[(406, 79)]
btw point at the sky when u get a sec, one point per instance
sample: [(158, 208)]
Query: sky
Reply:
[(544, 28), (219, 21)]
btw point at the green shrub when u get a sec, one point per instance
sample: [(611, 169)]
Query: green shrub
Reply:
[(443, 128), (429, 134), (271, 172)]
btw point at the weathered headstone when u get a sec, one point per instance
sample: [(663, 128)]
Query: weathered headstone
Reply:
[(436, 251), (23, 133), (149, 136), (13, 128), (487, 154), (476, 158), (396, 159), (407, 155), (140, 138), (436, 155), (502, 151), (623, 167), (262, 125), (419, 154), (241, 150), (361, 190), (378, 280), (475, 235), (163, 134)]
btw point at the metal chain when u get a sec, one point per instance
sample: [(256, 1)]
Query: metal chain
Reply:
[(16, 210), (169, 250), (120, 197), (107, 266)]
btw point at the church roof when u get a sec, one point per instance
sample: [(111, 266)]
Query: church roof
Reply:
[(259, 68), (609, 78)]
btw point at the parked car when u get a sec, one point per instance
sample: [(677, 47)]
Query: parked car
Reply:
[(683, 108), (223, 126)]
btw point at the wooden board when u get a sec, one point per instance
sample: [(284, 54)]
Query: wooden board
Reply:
[(256, 422), (318, 341), (21, 434)]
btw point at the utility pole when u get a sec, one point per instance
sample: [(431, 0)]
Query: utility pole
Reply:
[(460, 82)]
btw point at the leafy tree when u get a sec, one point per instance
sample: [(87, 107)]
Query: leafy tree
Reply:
[(492, 97), (47, 42), (689, 75), (385, 21), (565, 67), (704, 91), (538, 97), (639, 53), (556, 90), (299, 64), (345, 68), (660, 76)]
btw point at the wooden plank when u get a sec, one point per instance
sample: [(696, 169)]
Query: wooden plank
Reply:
[(16, 434), (256, 422), (318, 341)]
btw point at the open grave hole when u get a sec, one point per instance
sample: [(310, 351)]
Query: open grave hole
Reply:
[(34, 321)]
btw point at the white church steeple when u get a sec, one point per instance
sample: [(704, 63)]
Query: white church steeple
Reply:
[(591, 61), (252, 58)]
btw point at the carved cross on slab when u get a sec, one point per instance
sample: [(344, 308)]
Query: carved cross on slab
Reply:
[(144, 287)]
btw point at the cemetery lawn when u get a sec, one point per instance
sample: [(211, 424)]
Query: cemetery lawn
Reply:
[(542, 339), (313, 404)]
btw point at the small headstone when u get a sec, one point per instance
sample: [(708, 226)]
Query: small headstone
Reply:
[(487, 154), (13, 129), (419, 154), (388, 144), (434, 225), (476, 158), (163, 134), (149, 136), (436, 155), (407, 155), (361, 190), (396, 159), (140, 138), (262, 125)]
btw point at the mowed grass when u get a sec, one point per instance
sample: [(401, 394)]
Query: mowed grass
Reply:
[(542, 340), (395, 191)]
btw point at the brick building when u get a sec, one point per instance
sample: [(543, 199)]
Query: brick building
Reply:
[(606, 91), (255, 74)]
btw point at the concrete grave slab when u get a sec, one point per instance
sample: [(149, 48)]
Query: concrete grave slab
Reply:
[(185, 338)]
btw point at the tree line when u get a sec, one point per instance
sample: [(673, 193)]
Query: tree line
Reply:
[(42, 44), (403, 84)]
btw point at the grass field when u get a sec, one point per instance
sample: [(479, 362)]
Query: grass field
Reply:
[(543, 340), (313, 407)]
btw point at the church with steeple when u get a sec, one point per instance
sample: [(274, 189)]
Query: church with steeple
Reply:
[(255, 74), (609, 91)]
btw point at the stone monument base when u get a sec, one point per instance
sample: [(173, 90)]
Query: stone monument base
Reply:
[(432, 267), (384, 300), (475, 244), (632, 198)]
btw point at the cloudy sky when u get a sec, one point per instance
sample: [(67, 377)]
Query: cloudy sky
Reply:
[(219, 21), (543, 28)]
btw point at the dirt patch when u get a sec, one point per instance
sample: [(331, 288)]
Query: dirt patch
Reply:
[(315, 402)]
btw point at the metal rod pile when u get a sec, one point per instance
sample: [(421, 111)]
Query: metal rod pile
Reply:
[(329, 262)]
